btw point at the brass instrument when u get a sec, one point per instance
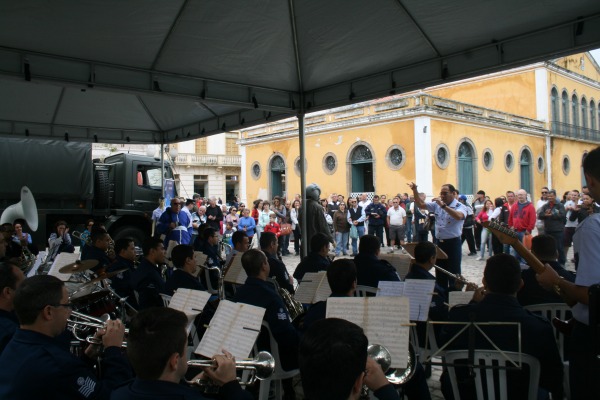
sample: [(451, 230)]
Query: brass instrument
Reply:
[(293, 306), (27, 258), (224, 249), (261, 367), (221, 283), (79, 326), (79, 235), (382, 356)]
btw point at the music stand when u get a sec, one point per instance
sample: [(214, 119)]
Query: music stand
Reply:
[(410, 249)]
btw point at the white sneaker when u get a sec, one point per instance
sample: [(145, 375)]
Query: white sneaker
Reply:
[(478, 259)]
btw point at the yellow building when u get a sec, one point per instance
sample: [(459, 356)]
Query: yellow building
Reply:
[(527, 127)]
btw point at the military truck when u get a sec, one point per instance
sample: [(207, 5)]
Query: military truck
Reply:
[(120, 191)]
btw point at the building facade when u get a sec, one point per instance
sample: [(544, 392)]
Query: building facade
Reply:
[(527, 127)]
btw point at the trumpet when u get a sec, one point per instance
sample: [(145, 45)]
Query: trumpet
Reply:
[(261, 366), (382, 356), (79, 235), (85, 321)]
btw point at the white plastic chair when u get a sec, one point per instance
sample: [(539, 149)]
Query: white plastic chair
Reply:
[(209, 288), (278, 373), (166, 299), (361, 291), (562, 312), (494, 378)]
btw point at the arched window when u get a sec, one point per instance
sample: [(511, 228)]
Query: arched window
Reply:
[(565, 107), (593, 120), (466, 168), (575, 110), (525, 169), (584, 113), (361, 161)]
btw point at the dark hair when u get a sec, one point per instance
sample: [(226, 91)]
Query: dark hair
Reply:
[(502, 274), (481, 192), (424, 251), (122, 244), (369, 244), (498, 202), (34, 294), (252, 261), (451, 187), (59, 223), (189, 201), (318, 241), (266, 239), (332, 355), (180, 253), (544, 247), (255, 203), (149, 244), (238, 237), (208, 232), (155, 334), (341, 275), (7, 275)]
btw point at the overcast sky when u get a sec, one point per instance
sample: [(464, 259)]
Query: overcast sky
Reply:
[(596, 54)]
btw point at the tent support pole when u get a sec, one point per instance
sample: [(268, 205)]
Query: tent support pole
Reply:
[(304, 248)]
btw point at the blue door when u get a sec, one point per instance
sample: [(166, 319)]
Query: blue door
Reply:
[(362, 170), (525, 165), (277, 169), (465, 169)]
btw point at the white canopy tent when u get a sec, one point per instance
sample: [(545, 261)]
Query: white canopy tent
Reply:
[(152, 71)]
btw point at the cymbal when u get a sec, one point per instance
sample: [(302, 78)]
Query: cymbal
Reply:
[(78, 266), (105, 275)]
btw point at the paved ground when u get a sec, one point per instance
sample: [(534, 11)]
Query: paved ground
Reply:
[(472, 270)]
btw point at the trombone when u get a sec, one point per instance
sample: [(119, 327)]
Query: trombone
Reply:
[(261, 367)]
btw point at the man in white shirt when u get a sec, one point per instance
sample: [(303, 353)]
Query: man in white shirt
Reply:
[(396, 220), (539, 224), (363, 203)]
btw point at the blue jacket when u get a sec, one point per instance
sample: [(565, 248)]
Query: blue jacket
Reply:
[(183, 236), (140, 389), (8, 326), (36, 366), (376, 209), (121, 283), (149, 284), (94, 253), (279, 272), (313, 262), (370, 270), (181, 279)]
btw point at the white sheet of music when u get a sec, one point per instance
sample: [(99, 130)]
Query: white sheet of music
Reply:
[(189, 301), (236, 273), (60, 261), (200, 258), (313, 288), (419, 291), (390, 288), (234, 327), (384, 320), (456, 298), (401, 262), (38, 261)]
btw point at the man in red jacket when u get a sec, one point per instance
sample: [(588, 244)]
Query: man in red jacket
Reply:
[(521, 218)]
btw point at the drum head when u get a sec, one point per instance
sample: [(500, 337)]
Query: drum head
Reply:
[(87, 295)]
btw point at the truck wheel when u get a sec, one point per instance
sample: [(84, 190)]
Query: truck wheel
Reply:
[(102, 189), (136, 234)]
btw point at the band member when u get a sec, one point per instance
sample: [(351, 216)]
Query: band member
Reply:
[(583, 363), (59, 241), (185, 267), (125, 259), (334, 363), (97, 251), (156, 347), (40, 366), (147, 279), (501, 281), (256, 291), (10, 279), (240, 242), (450, 215), (317, 259), (370, 269), (269, 245), (210, 247)]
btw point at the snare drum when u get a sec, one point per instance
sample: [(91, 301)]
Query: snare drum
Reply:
[(93, 302)]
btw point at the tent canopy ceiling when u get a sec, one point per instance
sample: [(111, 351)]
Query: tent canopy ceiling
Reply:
[(146, 71)]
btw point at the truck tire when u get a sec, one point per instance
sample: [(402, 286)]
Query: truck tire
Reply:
[(138, 235), (102, 189)]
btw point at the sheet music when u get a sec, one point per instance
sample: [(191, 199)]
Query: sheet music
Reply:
[(200, 258), (419, 291), (189, 301), (457, 298), (401, 262), (60, 261), (390, 288), (313, 288), (384, 320), (234, 327), (236, 273), (41, 256)]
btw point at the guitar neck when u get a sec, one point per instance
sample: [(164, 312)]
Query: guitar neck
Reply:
[(532, 260)]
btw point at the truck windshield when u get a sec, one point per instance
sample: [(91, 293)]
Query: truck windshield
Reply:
[(149, 176)]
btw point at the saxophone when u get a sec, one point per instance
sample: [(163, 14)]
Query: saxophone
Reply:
[(293, 306)]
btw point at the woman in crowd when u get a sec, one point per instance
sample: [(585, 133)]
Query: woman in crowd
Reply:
[(256, 208), (294, 214), (263, 217), (486, 235), (341, 228), (60, 240), (232, 217), (247, 224)]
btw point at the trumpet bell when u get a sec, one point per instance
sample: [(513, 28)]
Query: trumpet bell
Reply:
[(382, 356), (264, 364)]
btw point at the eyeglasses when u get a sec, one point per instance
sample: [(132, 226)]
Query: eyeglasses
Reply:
[(544, 192), (234, 209), (444, 193)]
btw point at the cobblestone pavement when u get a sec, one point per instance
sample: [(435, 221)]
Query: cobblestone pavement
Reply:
[(472, 270)]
